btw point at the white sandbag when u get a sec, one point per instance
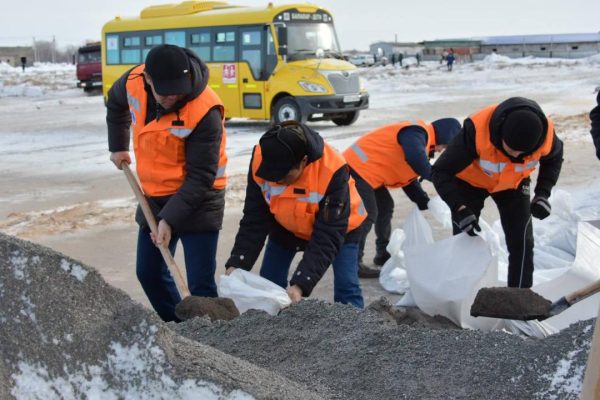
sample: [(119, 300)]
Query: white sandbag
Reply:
[(250, 291), (446, 275), (417, 231), (393, 275), (407, 300)]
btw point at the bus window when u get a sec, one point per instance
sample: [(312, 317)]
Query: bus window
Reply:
[(305, 39), (175, 37), (131, 53), (153, 40), (200, 44), (251, 50), (112, 49), (224, 49)]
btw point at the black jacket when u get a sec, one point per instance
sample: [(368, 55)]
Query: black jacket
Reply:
[(462, 151), (595, 118), (196, 206), (329, 233)]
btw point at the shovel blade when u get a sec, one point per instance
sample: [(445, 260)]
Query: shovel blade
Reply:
[(510, 303), (215, 308)]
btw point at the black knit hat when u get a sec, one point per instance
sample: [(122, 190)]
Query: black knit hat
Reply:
[(522, 130), (169, 68), (282, 147), (445, 130)]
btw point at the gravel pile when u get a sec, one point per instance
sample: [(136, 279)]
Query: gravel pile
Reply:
[(344, 353), (66, 334)]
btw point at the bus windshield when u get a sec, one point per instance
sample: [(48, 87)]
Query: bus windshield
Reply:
[(305, 39)]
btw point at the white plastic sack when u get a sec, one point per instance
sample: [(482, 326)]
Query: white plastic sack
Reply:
[(250, 291), (446, 275), (417, 231)]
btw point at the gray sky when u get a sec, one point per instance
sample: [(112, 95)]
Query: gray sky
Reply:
[(358, 22)]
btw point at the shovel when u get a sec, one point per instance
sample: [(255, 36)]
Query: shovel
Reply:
[(524, 304), (190, 306)]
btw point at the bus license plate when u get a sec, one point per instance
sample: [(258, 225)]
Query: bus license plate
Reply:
[(353, 98)]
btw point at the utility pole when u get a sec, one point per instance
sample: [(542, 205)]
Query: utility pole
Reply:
[(35, 54), (53, 49)]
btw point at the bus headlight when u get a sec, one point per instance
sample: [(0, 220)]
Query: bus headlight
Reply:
[(312, 87)]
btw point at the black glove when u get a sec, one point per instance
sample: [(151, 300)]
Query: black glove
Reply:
[(540, 207), (466, 221), (422, 204)]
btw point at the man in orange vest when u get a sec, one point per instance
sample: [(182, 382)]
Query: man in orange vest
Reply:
[(494, 155), (300, 194), (179, 145), (393, 156)]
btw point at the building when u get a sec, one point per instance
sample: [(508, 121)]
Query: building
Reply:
[(407, 49), (464, 49), (12, 55), (568, 45)]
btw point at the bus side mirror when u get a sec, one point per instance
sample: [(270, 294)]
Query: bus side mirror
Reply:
[(282, 39)]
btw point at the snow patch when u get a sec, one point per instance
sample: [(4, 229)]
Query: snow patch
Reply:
[(74, 269)]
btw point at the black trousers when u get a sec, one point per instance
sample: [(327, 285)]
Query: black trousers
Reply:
[(380, 208), (515, 216)]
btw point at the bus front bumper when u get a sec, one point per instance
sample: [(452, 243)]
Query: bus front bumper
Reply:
[(336, 104)]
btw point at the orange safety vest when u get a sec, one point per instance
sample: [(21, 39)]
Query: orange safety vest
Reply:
[(379, 159), (159, 146), (295, 206), (493, 170)]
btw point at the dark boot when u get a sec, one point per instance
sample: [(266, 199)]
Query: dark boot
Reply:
[(366, 272), (381, 258)]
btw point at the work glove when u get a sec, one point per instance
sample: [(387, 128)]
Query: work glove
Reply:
[(466, 221), (540, 207)]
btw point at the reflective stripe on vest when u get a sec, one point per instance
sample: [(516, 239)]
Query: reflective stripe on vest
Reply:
[(379, 159), (160, 145), (494, 171), (296, 206)]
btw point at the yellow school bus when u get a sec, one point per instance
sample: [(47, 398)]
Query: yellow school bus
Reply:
[(273, 62)]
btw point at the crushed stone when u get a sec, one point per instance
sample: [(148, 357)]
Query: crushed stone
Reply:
[(66, 334), (356, 354)]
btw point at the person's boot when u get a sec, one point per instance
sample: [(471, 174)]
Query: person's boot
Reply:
[(367, 272), (381, 258)]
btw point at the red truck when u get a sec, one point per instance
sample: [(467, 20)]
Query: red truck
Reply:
[(89, 67)]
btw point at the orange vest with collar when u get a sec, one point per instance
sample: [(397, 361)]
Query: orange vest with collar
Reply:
[(493, 170), (159, 146), (295, 206), (379, 159)]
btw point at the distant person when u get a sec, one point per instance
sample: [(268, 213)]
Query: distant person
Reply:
[(400, 58), (497, 150), (393, 59), (595, 118), (450, 59), (418, 57), (23, 63), (179, 143), (300, 197), (393, 156)]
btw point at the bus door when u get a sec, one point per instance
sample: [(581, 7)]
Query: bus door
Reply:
[(225, 77), (256, 43)]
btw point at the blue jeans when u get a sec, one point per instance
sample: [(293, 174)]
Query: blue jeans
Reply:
[(346, 288), (200, 250)]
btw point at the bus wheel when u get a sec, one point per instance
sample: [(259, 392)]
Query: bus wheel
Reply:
[(346, 119), (287, 109)]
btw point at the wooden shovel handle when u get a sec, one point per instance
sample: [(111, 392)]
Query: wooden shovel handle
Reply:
[(581, 294), (164, 251)]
